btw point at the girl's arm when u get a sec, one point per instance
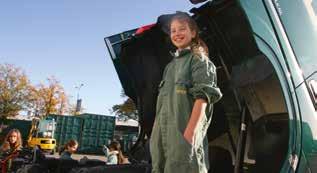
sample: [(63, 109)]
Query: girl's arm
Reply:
[(196, 115), (204, 91), (105, 150)]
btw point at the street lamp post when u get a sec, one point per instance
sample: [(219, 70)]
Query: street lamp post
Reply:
[(78, 103), (78, 89)]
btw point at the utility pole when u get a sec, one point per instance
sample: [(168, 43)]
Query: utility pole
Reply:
[(78, 102)]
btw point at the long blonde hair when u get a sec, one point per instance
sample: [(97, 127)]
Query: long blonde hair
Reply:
[(198, 46), (8, 146), (116, 146)]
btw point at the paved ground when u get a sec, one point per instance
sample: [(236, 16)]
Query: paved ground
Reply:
[(79, 156)]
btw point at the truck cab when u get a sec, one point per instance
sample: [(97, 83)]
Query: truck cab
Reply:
[(266, 58)]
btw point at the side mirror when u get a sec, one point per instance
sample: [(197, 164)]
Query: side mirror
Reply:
[(313, 89)]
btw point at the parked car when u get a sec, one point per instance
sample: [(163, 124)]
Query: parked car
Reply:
[(266, 58)]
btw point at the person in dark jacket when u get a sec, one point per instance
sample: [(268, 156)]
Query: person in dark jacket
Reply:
[(69, 149)]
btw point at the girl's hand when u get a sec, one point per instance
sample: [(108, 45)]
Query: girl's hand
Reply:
[(114, 152), (189, 135), (197, 113)]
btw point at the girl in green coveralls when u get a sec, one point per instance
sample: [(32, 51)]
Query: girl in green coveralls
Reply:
[(185, 103)]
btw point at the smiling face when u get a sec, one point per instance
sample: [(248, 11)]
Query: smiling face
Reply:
[(181, 34)]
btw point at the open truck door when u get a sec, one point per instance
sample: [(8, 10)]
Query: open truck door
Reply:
[(139, 57), (266, 120)]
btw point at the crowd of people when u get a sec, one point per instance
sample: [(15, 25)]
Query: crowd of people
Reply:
[(113, 153), (13, 144)]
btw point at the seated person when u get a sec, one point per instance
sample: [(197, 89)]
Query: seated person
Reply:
[(12, 142), (114, 154), (11, 146), (69, 148)]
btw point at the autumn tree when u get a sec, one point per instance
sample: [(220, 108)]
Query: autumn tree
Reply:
[(63, 103), (49, 99), (125, 110), (14, 90)]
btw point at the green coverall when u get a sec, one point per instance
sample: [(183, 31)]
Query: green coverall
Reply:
[(186, 78)]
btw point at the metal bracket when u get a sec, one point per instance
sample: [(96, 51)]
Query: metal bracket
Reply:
[(313, 89)]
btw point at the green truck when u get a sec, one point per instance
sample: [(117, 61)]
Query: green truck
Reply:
[(266, 58)]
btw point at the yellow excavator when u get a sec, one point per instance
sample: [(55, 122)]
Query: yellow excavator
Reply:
[(42, 135)]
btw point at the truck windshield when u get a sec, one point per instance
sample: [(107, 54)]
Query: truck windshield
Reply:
[(300, 22), (46, 128)]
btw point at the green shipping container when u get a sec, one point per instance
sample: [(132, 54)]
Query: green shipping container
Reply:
[(97, 131), (90, 130), (127, 140), (67, 128)]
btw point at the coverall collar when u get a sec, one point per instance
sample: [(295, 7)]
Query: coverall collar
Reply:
[(181, 53)]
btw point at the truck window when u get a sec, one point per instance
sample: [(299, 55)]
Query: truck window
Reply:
[(299, 18)]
